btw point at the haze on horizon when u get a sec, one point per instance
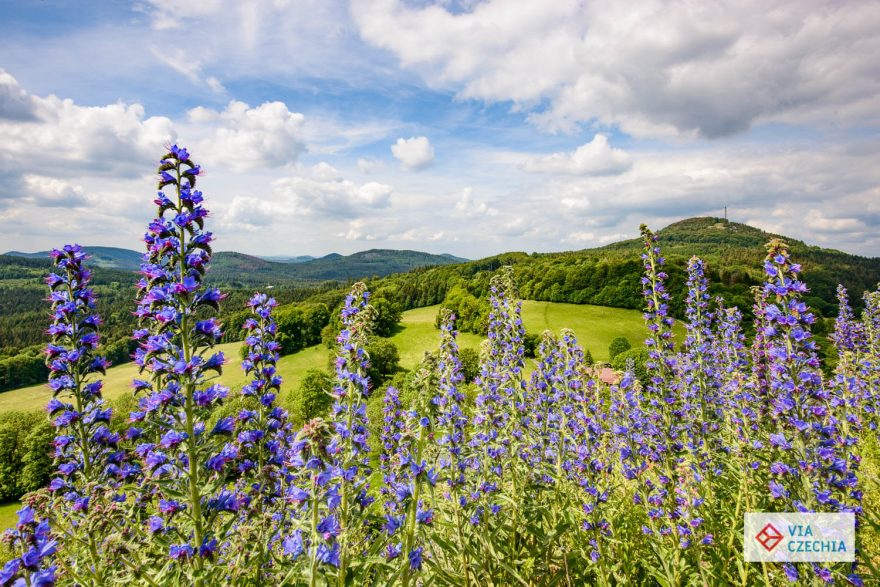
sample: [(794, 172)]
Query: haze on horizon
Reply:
[(463, 127)]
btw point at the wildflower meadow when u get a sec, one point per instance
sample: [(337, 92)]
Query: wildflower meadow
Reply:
[(539, 474)]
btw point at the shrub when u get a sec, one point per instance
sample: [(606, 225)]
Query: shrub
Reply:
[(530, 344), (470, 364), (14, 430), (312, 398), (384, 360), (617, 346), (639, 355), (37, 458)]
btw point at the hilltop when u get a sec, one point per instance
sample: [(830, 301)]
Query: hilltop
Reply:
[(610, 275)]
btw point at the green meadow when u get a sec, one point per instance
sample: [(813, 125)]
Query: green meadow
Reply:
[(595, 326)]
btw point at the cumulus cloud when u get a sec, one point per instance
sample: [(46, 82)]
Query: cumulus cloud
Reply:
[(250, 214), (414, 153), (651, 67), (323, 171), (580, 237), (797, 192), (242, 138), (468, 207), (15, 104), (367, 166), (594, 158), (420, 235), (331, 199), (52, 192), (116, 139), (361, 230)]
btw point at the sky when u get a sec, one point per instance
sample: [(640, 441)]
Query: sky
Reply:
[(470, 127)]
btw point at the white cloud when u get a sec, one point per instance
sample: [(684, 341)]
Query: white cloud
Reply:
[(52, 192), (468, 207), (242, 138), (414, 153), (797, 192), (332, 199), (250, 214), (111, 140), (15, 104), (359, 230), (175, 14), (367, 166), (580, 237), (419, 235), (594, 158), (323, 171), (652, 67)]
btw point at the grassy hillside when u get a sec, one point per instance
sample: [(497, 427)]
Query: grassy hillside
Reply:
[(594, 326), (118, 378), (8, 518)]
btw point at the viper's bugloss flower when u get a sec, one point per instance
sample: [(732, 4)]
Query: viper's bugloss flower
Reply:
[(85, 449), (698, 370), (347, 448), (501, 406), (810, 438), (672, 439), (415, 559), (176, 337), (261, 432), (33, 549)]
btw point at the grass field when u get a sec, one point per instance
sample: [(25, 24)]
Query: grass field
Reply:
[(595, 327), (8, 518)]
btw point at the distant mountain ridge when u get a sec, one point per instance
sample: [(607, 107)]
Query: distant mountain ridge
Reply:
[(283, 259), (250, 270), (104, 257)]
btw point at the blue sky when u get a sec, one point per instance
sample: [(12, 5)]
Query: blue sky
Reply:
[(468, 127)]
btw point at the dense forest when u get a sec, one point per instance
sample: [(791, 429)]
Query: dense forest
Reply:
[(607, 276)]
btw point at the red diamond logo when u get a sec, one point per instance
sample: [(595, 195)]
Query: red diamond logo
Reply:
[(769, 537)]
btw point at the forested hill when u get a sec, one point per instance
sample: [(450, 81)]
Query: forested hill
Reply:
[(240, 270), (104, 257), (610, 275)]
